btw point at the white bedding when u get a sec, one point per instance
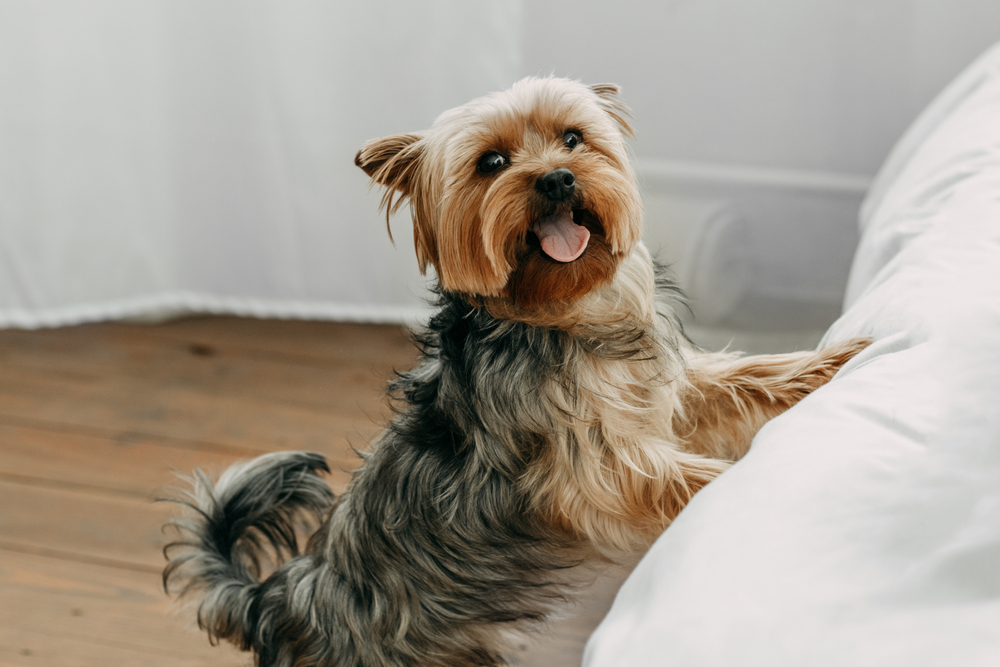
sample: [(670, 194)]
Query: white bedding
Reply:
[(863, 528)]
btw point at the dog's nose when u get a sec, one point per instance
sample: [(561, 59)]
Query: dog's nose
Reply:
[(557, 185)]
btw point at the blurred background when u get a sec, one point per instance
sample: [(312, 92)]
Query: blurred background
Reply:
[(160, 157)]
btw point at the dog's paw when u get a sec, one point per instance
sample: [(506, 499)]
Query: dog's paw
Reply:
[(838, 354), (827, 361)]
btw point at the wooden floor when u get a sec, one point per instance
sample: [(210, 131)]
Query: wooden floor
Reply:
[(95, 419)]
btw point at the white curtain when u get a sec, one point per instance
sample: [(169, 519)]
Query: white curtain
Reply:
[(170, 155)]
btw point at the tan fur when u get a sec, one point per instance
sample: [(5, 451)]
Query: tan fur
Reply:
[(632, 439), (728, 398)]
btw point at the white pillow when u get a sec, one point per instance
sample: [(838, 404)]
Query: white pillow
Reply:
[(863, 528)]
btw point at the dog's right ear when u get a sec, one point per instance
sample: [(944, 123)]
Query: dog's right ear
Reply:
[(394, 163)]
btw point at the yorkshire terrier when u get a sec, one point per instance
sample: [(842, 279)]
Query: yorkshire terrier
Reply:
[(558, 414)]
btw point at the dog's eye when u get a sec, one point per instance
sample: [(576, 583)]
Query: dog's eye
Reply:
[(572, 139), (491, 163)]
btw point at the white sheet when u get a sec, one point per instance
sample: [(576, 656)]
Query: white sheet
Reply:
[(864, 526)]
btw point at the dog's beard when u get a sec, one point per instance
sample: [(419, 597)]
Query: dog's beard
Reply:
[(541, 279), (557, 252)]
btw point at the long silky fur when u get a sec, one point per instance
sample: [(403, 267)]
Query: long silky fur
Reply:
[(226, 536), (441, 542), (536, 433), (433, 550)]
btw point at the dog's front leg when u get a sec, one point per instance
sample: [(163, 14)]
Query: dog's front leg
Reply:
[(729, 399)]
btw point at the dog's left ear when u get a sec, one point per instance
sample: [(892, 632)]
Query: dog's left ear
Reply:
[(609, 98)]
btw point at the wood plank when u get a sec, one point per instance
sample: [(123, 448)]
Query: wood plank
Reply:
[(341, 341), (131, 465), (118, 531), (364, 347), (89, 363), (27, 648), (108, 380), (68, 614), (88, 525), (138, 467), (154, 406), (87, 522)]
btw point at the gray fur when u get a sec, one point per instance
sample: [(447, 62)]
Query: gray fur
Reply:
[(434, 549)]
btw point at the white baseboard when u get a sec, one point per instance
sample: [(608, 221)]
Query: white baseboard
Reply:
[(657, 172), (741, 236)]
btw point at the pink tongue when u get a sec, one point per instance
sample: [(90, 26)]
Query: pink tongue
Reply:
[(562, 239)]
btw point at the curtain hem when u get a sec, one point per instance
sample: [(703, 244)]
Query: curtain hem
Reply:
[(161, 307)]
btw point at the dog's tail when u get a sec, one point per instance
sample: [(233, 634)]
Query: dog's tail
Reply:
[(248, 516)]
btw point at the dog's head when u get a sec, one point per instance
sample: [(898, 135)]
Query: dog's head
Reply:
[(525, 196)]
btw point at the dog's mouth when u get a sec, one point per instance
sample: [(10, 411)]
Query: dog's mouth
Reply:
[(564, 234)]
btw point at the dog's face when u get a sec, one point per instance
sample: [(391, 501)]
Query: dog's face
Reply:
[(525, 196)]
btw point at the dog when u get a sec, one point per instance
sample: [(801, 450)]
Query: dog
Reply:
[(558, 416)]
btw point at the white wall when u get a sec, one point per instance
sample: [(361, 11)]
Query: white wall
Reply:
[(760, 124), (198, 153), (825, 85)]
